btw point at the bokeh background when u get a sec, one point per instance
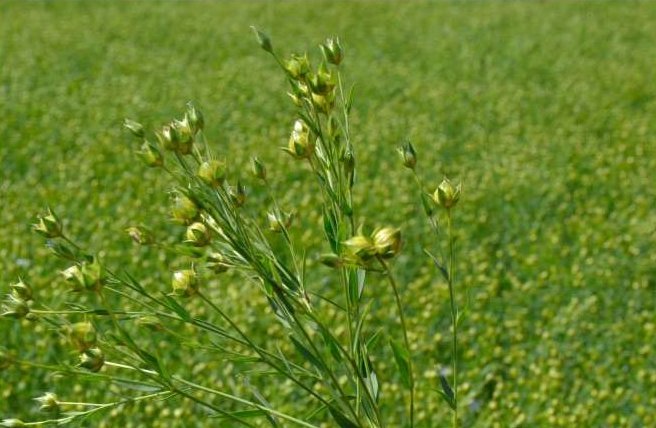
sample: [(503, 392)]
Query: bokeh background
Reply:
[(543, 109)]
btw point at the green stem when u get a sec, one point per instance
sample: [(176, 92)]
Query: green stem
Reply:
[(454, 316), (399, 306)]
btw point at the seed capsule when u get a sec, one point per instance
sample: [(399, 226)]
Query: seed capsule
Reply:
[(300, 144), (361, 247), (184, 283), (198, 235), (49, 402), (82, 335), (446, 195), (332, 51), (92, 359), (184, 210), (408, 155), (49, 225), (212, 172), (135, 128), (387, 241), (21, 290), (217, 263), (258, 169)]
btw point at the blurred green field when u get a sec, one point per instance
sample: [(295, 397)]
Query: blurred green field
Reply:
[(545, 110)]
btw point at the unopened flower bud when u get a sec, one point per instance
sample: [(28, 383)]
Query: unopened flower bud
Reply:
[(184, 283), (263, 40), (197, 235), (258, 169), (238, 194), (331, 260), (150, 322), (12, 423), (279, 221), (361, 247), (49, 225), (49, 402), (196, 119), (324, 103), (22, 290), (387, 241), (447, 195), (300, 144), (217, 263), (135, 128), (150, 155), (212, 172), (15, 307), (408, 154), (167, 138), (349, 162), (82, 335), (140, 235), (297, 66), (184, 135), (323, 82), (92, 359), (332, 51), (184, 210)]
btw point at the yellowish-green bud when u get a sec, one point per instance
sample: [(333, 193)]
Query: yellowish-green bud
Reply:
[(361, 247), (196, 119), (87, 276), (387, 241), (22, 290), (184, 210), (323, 82), (49, 402), (135, 128), (447, 195), (15, 307), (263, 40), (258, 169), (151, 322), (92, 359), (279, 221), (184, 135), (332, 51), (140, 235), (300, 145), (331, 260), (297, 66), (167, 138), (296, 99), (216, 262), (212, 172), (185, 283), (197, 234), (409, 156), (82, 335), (49, 225), (238, 194), (324, 103), (150, 155)]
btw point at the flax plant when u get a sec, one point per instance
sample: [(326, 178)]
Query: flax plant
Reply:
[(334, 372)]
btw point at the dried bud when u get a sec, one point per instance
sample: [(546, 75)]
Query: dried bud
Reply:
[(49, 402), (135, 128), (185, 283), (408, 155), (446, 195), (15, 307), (263, 40), (300, 144), (297, 66), (141, 235), (361, 247), (279, 221), (331, 260), (217, 263), (92, 360), (82, 335), (48, 225), (387, 241), (21, 290), (150, 155), (238, 194), (332, 51), (196, 119), (258, 169), (197, 235), (184, 210), (212, 172)]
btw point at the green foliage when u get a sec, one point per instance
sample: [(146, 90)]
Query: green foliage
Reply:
[(543, 110)]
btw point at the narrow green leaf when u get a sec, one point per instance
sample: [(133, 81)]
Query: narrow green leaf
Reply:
[(307, 354), (438, 265), (447, 392), (402, 361), (340, 418), (173, 305)]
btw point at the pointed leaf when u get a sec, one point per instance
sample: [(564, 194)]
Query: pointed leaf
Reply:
[(402, 361)]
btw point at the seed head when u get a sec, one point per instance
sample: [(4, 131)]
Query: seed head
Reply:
[(82, 335), (361, 247), (196, 119), (332, 51), (48, 225), (85, 276), (12, 423), (447, 195), (135, 128), (297, 66), (408, 155), (184, 210), (258, 169), (212, 172), (387, 241), (197, 235), (322, 82), (151, 322), (216, 262), (150, 155), (185, 283), (238, 194), (263, 40), (141, 235), (300, 144), (279, 221), (49, 402), (92, 359), (331, 260), (15, 307)]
